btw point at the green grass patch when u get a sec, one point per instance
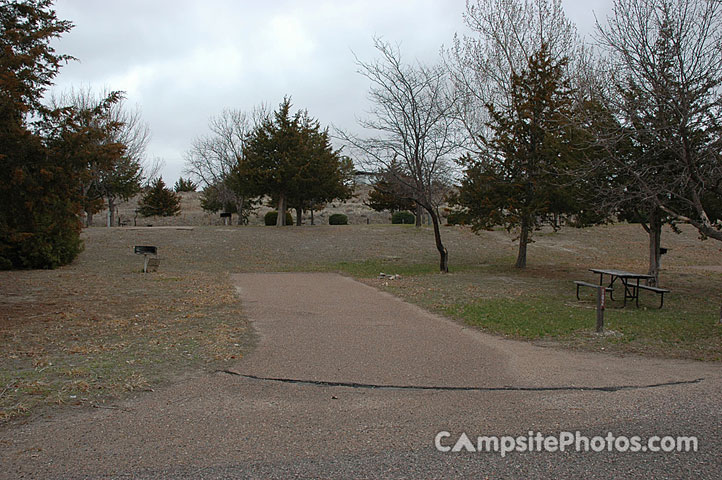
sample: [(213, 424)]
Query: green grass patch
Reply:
[(529, 319), (675, 332), (668, 326)]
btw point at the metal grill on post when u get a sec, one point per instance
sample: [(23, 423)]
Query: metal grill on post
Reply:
[(147, 251)]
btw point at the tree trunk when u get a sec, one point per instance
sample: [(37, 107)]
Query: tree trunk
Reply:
[(299, 216), (111, 211), (443, 253), (239, 207), (311, 215), (89, 209), (419, 215), (281, 220), (523, 241), (654, 230)]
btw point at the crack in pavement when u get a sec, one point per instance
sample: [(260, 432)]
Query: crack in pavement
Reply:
[(507, 388)]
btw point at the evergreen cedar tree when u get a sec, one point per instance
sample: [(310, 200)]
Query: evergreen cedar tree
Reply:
[(212, 201), (39, 175), (518, 182), (55, 162), (159, 201), (290, 159), (382, 197), (185, 185), (110, 177)]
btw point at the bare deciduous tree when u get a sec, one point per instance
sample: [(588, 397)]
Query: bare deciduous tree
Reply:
[(151, 170), (135, 135), (413, 137), (668, 100), (505, 35), (213, 159)]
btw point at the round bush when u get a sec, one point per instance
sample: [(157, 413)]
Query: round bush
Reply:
[(338, 219), (271, 218), (457, 218), (403, 218)]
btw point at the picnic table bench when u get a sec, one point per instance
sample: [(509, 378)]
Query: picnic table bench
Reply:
[(629, 280), (580, 283), (658, 290)]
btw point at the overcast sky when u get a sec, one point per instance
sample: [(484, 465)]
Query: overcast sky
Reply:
[(183, 61)]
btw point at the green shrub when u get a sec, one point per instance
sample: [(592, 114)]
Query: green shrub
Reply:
[(458, 218), (50, 246), (403, 218), (338, 219), (271, 218)]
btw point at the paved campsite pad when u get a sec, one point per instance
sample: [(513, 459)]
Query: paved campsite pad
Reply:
[(327, 393)]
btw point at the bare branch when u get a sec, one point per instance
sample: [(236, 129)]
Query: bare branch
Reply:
[(667, 102), (505, 34), (413, 136)]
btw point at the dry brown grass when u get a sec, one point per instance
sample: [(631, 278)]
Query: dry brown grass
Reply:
[(100, 328), (192, 213)]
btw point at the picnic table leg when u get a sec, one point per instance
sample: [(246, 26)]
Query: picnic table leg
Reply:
[(611, 285), (637, 292)]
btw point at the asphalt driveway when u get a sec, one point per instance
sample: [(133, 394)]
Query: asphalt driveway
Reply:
[(348, 381)]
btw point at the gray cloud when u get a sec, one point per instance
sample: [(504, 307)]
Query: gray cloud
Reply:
[(184, 61)]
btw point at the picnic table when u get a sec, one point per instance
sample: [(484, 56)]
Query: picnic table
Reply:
[(630, 281)]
